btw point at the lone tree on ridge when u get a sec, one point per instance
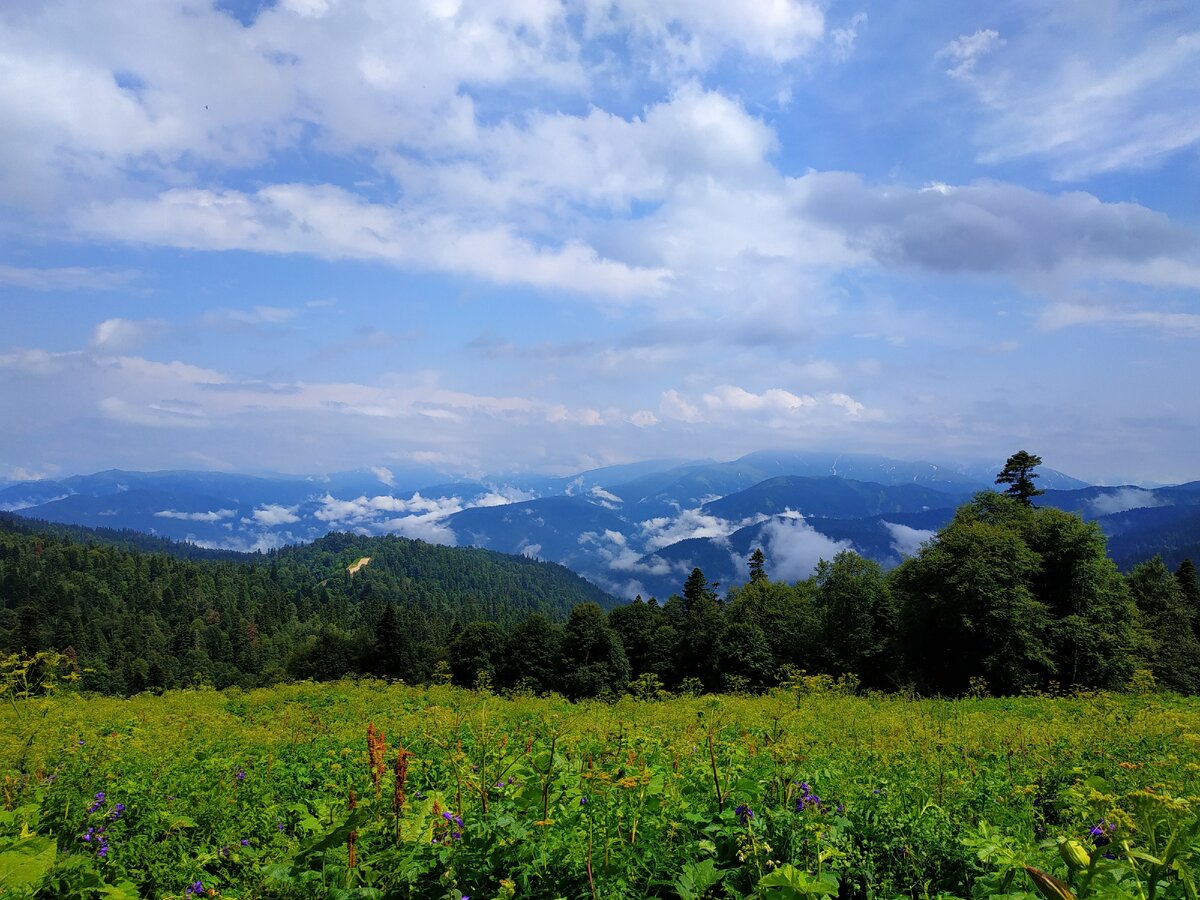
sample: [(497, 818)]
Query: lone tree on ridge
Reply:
[(1018, 474)]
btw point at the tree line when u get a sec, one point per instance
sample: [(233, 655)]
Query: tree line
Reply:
[(1006, 598)]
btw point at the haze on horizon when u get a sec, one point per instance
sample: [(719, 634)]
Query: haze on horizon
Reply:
[(316, 235)]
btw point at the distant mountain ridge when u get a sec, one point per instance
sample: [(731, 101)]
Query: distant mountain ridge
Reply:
[(633, 528)]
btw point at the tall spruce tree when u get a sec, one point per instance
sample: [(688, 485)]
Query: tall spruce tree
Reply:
[(1018, 474)]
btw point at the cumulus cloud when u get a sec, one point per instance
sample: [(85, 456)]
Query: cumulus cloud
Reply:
[(674, 406), (793, 547), (1124, 499), (906, 540), (384, 475), (692, 35), (272, 514)]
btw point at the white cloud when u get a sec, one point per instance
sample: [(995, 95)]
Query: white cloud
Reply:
[(384, 475), (162, 414), (843, 38), (1124, 499), (964, 52), (663, 531), (1065, 315), (606, 498), (906, 540), (329, 222), (793, 548), (69, 278), (692, 34), (272, 514), (215, 515), (259, 316), (1093, 92), (673, 406), (118, 335), (740, 400)]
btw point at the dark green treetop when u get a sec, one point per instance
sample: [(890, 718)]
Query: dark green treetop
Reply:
[(1018, 474)]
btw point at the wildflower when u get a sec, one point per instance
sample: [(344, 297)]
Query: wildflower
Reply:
[(99, 802), (279, 826), (1100, 832), (245, 842), (241, 774), (196, 887), (744, 814), (583, 801), (116, 811)]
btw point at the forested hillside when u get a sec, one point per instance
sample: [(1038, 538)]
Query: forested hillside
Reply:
[(134, 620), (1005, 598)]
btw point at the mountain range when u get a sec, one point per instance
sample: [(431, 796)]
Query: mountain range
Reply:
[(632, 529)]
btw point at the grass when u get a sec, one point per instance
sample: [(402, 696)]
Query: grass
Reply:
[(248, 794)]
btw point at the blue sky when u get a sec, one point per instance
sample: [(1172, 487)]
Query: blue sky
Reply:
[(521, 234)]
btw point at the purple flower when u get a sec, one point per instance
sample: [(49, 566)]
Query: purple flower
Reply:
[(241, 775), (583, 801), (1100, 832), (245, 842), (116, 811), (196, 887), (744, 814), (102, 851)]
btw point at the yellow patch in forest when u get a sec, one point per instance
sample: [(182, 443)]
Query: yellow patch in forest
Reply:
[(358, 565)]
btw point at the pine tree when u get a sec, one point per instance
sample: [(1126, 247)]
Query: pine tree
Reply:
[(758, 566), (1018, 474)]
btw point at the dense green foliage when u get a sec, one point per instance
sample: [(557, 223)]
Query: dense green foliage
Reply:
[(369, 790), (137, 621), (1007, 598)]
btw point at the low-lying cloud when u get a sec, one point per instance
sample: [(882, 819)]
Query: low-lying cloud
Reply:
[(1125, 499), (215, 515), (793, 547), (906, 540)]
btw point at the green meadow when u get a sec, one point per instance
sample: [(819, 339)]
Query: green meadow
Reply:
[(364, 789)]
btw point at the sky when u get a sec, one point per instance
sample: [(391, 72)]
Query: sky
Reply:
[(527, 235)]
